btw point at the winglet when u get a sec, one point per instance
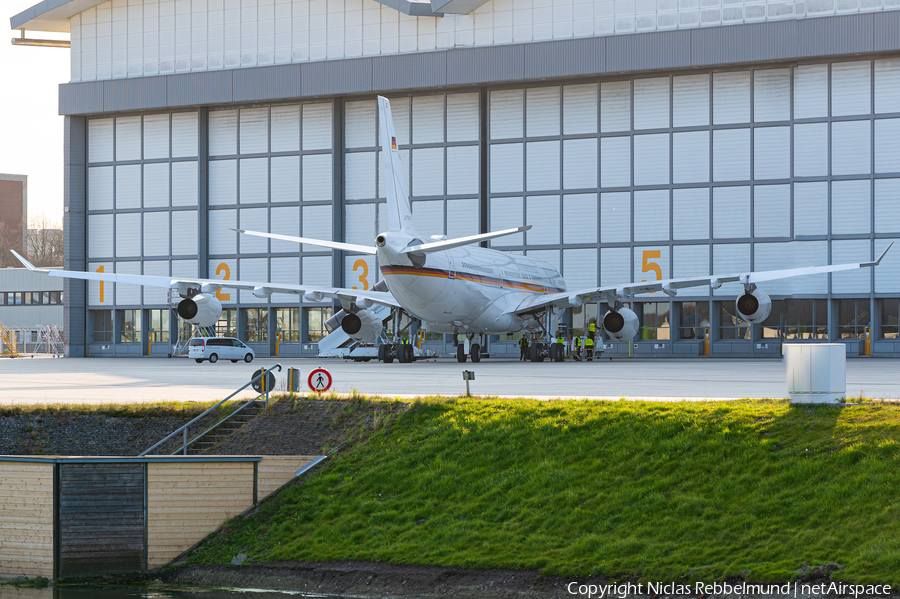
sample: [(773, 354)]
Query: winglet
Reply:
[(876, 263), (25, 262)]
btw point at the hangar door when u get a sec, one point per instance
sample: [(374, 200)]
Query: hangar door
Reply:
[(270, 169)]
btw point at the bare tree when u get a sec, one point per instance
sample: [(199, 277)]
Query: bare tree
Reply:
[(10, 239), (45, 241)]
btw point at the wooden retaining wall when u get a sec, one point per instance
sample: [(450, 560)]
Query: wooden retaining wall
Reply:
[(63, 517), (186, 502), (26, 519)]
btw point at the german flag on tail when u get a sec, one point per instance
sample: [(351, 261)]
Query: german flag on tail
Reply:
[(393, 143)]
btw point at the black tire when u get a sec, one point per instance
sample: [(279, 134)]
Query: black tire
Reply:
[(248, 358), (234, 361), (475, 351), (461, 353), (213, 358), (537, 354), (198, 360), (409, 355), (388, 354)]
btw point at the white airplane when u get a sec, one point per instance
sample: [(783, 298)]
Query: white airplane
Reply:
[(452, 285)]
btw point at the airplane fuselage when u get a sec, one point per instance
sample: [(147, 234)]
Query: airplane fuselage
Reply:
[(465, 289)]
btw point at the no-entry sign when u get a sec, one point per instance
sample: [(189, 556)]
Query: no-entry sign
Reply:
[(319, 380)]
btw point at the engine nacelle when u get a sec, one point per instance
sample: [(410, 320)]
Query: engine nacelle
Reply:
[(202, 310), (754, 306), (362, 326), (621, 324)]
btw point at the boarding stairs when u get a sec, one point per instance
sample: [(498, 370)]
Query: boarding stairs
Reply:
[(8, 342), (338, 344), (50, 337), (207, 439)]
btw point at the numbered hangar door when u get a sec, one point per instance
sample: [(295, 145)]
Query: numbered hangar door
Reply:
[(101, 518), (438, 139), (270, 169)]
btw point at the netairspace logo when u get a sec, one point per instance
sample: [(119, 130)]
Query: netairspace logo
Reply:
[(793, 590)]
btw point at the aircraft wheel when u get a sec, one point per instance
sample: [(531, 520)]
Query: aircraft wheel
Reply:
[(198, 360), (475, 350), (400, 352), (213, 358), (536, 352), (409, 356), (388, 354), (461, 353)]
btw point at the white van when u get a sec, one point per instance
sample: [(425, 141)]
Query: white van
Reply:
[(215, 348)]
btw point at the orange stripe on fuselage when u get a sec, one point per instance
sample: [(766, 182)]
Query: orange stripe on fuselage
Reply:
[(465, 276)]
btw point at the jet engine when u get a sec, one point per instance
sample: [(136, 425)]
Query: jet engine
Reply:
[(202, 310), (362, 326), (621, 324), (754, 306)]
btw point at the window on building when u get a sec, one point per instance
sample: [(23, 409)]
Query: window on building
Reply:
[(797, 319), (656, 321), (257, 324), (853, 318), (890, 318), (315, 323), (26, 298), (694, 320), (227, 323), (102, 326), (159, 326), (129, 326), (731, 326), (55, 298), (2, 299), (288, 323), (19, 298)]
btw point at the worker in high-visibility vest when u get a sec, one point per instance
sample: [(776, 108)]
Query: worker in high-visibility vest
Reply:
[(589, 349), (523, 348), (577, 348), (592, 329)]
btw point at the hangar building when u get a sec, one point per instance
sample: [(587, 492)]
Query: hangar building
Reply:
[(641, 138)]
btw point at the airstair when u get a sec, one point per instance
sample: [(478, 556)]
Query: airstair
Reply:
[(50, 338), (338, 344), (8, 342)]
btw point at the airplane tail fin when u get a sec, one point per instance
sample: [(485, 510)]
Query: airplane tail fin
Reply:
[(399, 212)]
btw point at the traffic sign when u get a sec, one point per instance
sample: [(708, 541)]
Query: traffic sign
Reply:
[(263, 383), (319, 380)]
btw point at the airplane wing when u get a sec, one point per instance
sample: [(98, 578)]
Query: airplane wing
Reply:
[(670, 287), (213, 285)]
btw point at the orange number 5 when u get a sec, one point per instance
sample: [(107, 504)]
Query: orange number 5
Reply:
[(647, 266)]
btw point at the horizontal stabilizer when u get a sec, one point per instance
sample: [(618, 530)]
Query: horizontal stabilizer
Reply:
[(25, 262), (447, 244), (337, 245)]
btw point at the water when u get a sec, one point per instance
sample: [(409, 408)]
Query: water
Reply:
[(153, 593)]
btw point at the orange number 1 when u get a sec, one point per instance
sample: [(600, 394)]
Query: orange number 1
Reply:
[(100, 269)]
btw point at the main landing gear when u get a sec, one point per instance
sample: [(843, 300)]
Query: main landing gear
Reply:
[(463, 350), (402, 352)]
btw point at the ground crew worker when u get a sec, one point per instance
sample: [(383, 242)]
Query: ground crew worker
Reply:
[(578, 348), (589, 349), (523, 348), (592, 329)]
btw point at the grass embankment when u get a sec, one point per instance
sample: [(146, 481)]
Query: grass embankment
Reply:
[(676, 491)]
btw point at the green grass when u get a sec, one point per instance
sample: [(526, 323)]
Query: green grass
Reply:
[(658, 491)]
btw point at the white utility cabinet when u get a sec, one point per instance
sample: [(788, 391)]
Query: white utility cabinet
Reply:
[(816, 372)]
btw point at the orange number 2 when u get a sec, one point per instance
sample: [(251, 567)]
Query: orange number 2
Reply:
[(226, 297)]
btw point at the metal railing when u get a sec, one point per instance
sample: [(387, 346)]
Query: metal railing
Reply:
[(184, 429)]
